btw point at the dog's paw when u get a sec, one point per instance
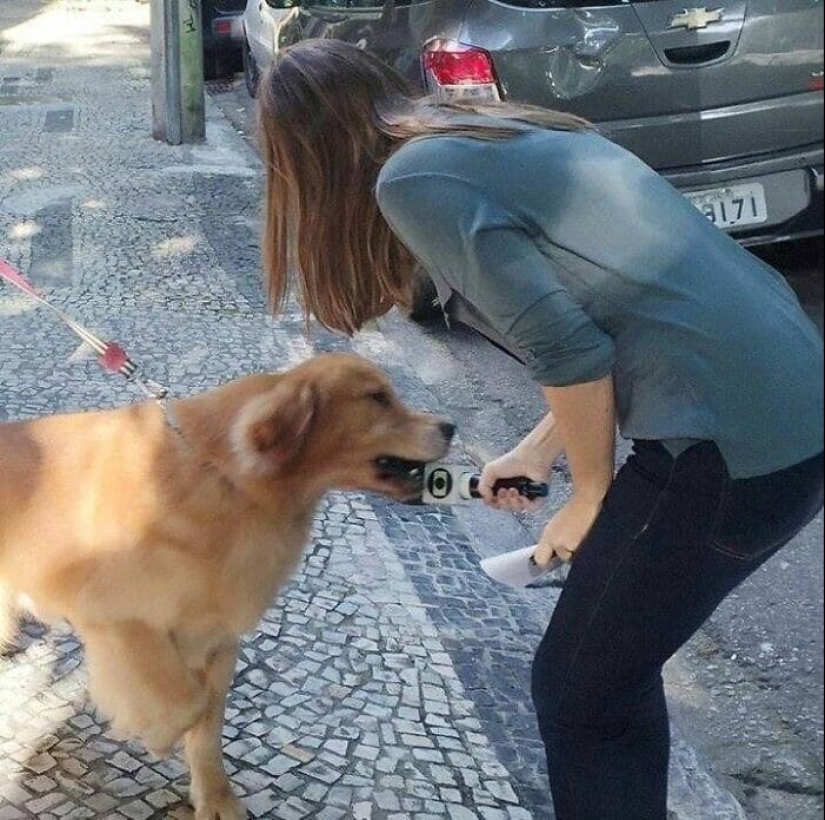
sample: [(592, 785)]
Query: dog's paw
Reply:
[(221, 806), (170, 725)]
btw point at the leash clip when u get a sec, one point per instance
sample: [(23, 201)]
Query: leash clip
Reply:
[(160, 394), (151, 389)]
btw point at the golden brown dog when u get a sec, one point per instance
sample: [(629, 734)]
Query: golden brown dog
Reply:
[(162, 537)]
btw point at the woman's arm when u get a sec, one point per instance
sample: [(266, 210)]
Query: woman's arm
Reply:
[(582, 423), (585, 415), (533, 457), (585, 418), (489, 256)]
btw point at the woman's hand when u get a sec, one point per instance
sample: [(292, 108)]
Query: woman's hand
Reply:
[(533, 457), (511, 465), (567, 529)]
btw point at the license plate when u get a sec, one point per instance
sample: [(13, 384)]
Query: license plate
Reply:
[(734, 206)]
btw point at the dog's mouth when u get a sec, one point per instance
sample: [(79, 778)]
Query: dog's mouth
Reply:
[(405, 476)]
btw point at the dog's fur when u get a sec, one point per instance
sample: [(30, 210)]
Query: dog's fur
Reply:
[(162, 546)]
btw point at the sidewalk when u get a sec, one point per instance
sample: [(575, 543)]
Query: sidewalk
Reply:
[(391, 679)]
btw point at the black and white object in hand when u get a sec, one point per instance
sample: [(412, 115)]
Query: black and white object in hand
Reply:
[(458, 484)]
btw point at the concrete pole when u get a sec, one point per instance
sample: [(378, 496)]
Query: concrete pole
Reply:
[(178, 107), (193, 106)]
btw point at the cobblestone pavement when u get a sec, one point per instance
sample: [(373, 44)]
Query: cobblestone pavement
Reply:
[(390, 680)]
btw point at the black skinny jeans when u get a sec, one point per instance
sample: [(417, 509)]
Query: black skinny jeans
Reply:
[(674, 537)]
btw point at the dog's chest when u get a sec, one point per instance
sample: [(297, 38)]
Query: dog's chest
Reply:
[(257, 569)]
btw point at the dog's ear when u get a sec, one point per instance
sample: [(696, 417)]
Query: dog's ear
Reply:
[(275, 427)]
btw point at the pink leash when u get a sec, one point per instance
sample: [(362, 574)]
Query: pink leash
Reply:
[(111, 356)]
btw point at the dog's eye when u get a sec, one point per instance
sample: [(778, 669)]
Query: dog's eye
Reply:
[(381, 397)]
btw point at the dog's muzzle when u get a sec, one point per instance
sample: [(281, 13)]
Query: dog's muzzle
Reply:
[(392, 468), (405, 475)]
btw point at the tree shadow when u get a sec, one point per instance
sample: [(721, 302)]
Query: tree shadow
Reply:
[(13, 15)]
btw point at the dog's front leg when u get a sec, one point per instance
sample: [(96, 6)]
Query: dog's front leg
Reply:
[(211, 792), (139, 679)]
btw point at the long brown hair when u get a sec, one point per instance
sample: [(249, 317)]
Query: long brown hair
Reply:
[(329, 116)]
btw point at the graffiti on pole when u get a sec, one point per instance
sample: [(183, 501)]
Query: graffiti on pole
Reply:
[(189, 24)]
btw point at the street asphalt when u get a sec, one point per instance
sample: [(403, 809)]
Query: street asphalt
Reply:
[(391, 679)]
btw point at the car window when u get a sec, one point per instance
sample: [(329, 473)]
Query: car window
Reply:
[(569, 4), (281, 4), (345, 4), (364, 5)]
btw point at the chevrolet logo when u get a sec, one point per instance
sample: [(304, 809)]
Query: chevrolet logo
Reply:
[(694, 19)]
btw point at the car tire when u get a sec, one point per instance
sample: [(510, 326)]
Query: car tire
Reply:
[(251, 71), (213, 67), (426, 308)]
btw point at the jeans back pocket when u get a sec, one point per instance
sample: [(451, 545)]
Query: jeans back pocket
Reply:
[(760, 515)]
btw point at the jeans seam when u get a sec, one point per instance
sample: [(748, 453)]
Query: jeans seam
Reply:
[(724, 495), (721, 549), (627, 542)]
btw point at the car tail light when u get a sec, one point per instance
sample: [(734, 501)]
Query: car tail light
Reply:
[(223, 28), (817, 83), (453, 69)]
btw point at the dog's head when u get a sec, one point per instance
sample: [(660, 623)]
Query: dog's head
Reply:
[(335, 422)]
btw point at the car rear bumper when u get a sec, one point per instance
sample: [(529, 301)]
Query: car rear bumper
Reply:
[(710, 135), (793, 183)]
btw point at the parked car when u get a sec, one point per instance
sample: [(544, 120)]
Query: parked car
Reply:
[(726, 100), (222, 37), (262, 20)]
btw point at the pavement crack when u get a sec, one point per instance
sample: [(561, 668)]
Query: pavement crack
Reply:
[(757, 780)]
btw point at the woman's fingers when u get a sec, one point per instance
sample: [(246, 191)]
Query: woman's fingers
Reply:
[(564, 554), (544, 554), (513, 500), (485, 486)]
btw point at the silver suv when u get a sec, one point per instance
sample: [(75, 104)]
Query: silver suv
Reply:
[(725, 100)]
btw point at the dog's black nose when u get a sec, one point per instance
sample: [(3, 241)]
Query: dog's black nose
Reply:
[(447, 430)]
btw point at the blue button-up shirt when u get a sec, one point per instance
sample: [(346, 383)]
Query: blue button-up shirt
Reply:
[(591, 263)]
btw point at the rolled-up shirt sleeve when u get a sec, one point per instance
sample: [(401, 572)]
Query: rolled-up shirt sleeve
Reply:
[(486, 255)]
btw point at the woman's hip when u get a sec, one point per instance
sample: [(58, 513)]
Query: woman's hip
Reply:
[(658, 561)]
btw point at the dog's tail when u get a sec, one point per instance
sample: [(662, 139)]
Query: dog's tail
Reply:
[(8, 618)]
